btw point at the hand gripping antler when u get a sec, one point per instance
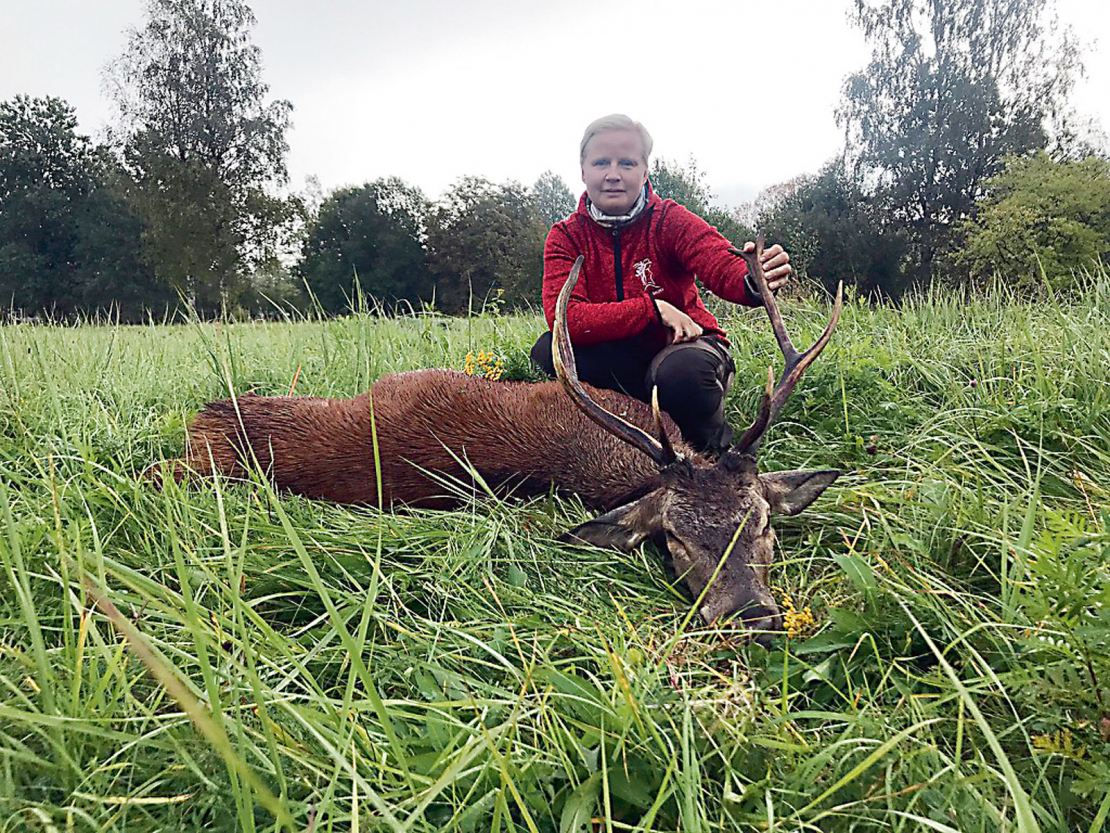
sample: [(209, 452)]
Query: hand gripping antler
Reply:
[(796, 363), (660, 450)]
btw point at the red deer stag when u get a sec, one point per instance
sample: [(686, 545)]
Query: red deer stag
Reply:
[(613, 451)]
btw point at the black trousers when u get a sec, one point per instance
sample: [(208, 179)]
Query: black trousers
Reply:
[(693, 378)]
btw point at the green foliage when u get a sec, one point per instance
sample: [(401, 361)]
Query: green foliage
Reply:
[(951, 90), (465, 671), (835, 233), (203, 148), (1041, 220), (688, 187), (553, 198), (371, 234), (685, 185), (69, 244), (484, 238)]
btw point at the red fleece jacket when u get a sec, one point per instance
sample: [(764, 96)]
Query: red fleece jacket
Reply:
[(657, 256)]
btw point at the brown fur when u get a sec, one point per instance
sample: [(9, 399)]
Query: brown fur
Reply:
[(521, 438)]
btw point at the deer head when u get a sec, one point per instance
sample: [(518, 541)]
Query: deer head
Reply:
[(714, 517)]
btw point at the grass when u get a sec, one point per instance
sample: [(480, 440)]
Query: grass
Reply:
[(226, 658)]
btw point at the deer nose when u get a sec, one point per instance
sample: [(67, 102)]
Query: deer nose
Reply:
[(763, 621)]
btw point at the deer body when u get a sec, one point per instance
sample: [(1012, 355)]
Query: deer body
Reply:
[(613, 451), (521, 438)]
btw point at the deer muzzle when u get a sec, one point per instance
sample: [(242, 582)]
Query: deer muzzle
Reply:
[(762, 619)]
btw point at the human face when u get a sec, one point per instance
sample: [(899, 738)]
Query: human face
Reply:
[(614, 170)]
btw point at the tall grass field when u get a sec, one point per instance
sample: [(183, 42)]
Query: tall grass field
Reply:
[(215, 656)]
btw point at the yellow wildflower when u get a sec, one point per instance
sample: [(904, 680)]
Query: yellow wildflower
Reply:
[(795, 622), (486, 364)]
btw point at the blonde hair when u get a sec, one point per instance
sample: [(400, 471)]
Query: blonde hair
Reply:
[(616, 121)]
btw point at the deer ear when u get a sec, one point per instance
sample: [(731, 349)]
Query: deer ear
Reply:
[(622, 528), (789, 492)]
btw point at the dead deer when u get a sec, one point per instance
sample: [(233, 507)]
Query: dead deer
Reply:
[(613, 451)]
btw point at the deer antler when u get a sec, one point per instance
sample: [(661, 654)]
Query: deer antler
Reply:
[(660, 450), (796, 363)]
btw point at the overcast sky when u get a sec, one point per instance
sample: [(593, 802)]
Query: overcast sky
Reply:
[(432, 90)]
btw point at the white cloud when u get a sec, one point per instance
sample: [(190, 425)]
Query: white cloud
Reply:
[(434, 90)]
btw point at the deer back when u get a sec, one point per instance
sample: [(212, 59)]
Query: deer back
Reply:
[(520, 437)]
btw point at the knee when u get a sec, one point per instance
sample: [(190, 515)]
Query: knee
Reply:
[(688, 381), (541, 354)]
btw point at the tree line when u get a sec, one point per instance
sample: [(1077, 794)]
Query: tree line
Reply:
[(962, 164)]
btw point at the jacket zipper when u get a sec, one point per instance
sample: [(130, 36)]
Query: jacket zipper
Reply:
[(617, 263)]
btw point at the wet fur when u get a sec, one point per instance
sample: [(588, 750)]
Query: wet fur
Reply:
[(520, 437)]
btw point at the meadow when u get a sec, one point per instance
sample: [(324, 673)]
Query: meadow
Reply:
[(221, 657)]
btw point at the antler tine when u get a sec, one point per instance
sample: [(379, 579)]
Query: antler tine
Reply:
[(791, 374), (754, 259), (756, 429), (562, 355), (660, 429), (796, 363)]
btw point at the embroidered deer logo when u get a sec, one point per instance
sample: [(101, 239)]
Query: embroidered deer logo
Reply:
[(643, 272)]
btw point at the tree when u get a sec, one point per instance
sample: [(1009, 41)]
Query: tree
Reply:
[(204, 149), (687, 186), (375, 233), (483, 238), (68, 242), (553, 198), (952, 89), (1037, 215), (835, 233)]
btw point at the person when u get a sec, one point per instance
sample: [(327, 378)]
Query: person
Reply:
[(636, 319)]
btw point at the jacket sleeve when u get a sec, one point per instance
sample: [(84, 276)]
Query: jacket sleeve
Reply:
[(703, 250), (589, 322)]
